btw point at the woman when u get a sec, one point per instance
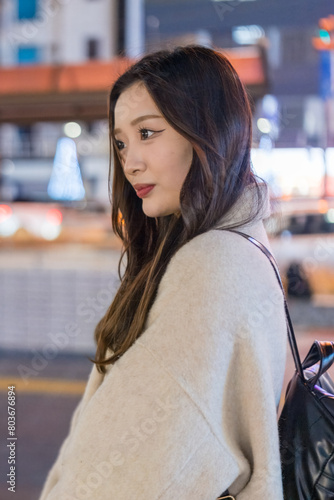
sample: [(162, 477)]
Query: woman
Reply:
[(181, 402)]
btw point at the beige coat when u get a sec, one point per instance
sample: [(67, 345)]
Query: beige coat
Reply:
[(190, 409)]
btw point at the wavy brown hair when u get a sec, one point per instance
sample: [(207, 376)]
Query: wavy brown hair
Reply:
[(201, 96)]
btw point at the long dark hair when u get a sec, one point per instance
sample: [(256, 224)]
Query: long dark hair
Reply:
[(201, 96)]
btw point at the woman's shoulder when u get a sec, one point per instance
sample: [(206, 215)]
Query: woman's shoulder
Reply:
[(223, 252), (226, 251), (219, 267)]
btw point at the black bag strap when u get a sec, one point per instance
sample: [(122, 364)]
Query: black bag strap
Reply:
[(291, 333)]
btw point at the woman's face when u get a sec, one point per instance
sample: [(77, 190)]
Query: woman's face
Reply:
[(155, 158)]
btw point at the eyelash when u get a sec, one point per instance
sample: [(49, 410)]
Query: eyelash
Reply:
[(140, 130), (144, 129)]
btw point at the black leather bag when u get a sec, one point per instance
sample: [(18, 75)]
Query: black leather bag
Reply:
[(306, 423), (306, 427)]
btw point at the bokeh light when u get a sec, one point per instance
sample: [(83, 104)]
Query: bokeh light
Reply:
[(72, 130), (264, 125)]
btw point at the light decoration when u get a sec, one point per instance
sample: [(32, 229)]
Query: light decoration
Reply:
[(54, 216), (264, 125), (291, 172), (66, 181), (330, 216), (9, 223), (72, 129)]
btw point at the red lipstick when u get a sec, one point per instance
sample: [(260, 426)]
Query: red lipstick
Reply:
[(143, 189)]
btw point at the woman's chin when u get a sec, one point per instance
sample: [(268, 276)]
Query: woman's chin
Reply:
[(155, 212)]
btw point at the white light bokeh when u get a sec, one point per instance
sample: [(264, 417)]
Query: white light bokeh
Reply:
[(263, 125), (72, 130)]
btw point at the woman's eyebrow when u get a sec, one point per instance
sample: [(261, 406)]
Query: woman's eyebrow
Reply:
[(137, 120)]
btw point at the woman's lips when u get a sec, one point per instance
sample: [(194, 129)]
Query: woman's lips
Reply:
[(143, 190)]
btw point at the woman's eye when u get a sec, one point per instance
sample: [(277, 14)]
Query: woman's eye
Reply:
[(119, 145), (146, 133)]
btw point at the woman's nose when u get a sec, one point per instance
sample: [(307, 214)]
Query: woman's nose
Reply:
[(133, 162)]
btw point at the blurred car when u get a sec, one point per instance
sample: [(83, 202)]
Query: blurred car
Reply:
[(303, 244), (38, 223)]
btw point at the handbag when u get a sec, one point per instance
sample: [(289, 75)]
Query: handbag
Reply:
[(306, 423)]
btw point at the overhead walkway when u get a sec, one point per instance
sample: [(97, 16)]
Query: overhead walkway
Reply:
[(35, 93)]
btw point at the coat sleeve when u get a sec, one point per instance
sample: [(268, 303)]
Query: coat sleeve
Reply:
[(54, 474), (189, 410)]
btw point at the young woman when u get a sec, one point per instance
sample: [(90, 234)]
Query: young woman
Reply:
[(181, 402)]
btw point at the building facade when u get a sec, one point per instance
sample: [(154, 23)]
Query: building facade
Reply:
[(286, 29), (57, 31), (293, 114)]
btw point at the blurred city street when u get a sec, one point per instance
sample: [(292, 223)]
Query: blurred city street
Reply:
[(58, 253), (50, 300), (44, 292), (51, 297)]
